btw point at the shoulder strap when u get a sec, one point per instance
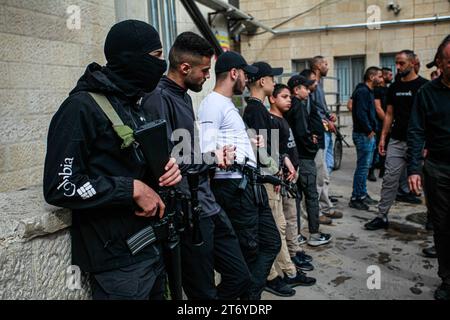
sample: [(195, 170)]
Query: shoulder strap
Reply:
[(123, 131)]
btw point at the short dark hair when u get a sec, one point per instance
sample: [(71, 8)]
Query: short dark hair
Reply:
[(189, 45), (315, 61), (386, 69), (442, 46), (409, 53), (278, 88), (370, 72), (307, 73), (222, 76)]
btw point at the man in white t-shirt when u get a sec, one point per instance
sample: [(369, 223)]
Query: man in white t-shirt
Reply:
[(221, 125)]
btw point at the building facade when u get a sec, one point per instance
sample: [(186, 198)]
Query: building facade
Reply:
[(348, 50)]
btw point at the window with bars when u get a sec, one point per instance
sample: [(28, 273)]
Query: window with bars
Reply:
[(350, 72), (162, 15), (300, 65), (387, 60)]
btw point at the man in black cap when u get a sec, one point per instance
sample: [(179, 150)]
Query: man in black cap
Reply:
[(258, 118), (221, 125), (429, 127), (190, 64), (306, 125), (261, 86), (104, 179)]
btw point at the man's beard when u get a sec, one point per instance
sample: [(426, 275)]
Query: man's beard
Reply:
[(195, 87), (405, 73), (237, 88)]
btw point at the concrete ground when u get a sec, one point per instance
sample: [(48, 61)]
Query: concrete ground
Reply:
[(341, 268)]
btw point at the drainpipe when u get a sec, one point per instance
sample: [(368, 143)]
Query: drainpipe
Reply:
[(373, 25)]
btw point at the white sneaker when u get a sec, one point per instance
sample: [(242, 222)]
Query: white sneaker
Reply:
[(319, 239)]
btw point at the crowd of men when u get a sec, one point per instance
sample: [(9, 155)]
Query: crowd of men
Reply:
[(249, 224), (395, 127)]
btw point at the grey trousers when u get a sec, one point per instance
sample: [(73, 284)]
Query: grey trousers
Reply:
[(395, 167), (323, 182)]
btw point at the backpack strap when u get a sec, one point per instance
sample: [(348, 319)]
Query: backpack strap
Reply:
[(123, 131)]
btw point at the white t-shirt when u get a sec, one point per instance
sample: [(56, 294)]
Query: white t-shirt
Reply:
[(220, 125)]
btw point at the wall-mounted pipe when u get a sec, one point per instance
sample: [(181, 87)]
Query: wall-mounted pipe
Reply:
[(373, 25), (228, 9)]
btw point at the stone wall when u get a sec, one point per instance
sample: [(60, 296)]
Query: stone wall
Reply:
[(35, 249), (40, 61)]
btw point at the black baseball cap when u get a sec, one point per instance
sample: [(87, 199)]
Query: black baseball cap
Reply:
[(431, 64), (230, 60), (299, 80), (265, 70), (434, 62)]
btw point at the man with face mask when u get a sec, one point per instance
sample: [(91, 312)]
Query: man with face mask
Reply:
[(221, 125), (190, 63), (104, 180), (400, 100)]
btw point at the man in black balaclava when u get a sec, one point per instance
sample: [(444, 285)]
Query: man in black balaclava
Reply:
[(89, 169), (127, 49)]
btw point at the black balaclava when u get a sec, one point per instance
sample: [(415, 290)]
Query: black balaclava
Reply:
[(127, 49)]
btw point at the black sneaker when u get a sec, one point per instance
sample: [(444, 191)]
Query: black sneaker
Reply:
[(279, 288), (371, 176), (334, 200), (369, 201), (302, 264), (430, 252), (300, 280), (301, 239), (358, 205), (303, 256), (408, 198), (443, 292), (377, 224)]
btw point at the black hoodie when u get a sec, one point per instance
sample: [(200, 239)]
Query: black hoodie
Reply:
[(429, 125), (364, 112), (304, 125), (88, 172), (172, 103)]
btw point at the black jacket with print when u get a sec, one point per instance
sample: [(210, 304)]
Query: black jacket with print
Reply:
[(87, 171)]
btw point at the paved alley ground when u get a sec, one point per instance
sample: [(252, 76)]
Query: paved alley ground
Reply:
[(341, 268)]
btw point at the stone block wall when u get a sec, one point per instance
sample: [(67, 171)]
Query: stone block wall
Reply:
[(41, 60)]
